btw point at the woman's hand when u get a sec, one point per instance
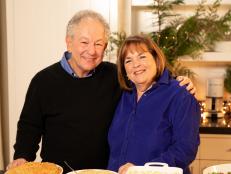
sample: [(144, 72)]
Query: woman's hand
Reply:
[(187, 81), (16, 163), (123, 169)]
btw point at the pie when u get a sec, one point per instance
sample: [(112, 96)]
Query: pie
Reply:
[(36, 168)]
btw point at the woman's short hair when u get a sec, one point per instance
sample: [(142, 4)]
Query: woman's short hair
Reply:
[(140, 43), (85, 14)]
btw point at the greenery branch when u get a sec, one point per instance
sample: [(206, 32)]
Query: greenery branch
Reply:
[(227, 80), (178, 36)]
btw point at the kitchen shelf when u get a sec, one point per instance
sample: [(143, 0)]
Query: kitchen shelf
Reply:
[(139, 17), (186, 2), (208, 58)]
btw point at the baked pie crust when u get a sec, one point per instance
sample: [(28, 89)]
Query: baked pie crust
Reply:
[(36, 168)]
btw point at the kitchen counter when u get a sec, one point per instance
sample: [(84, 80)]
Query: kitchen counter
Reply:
[(215, 130), (216, 125)]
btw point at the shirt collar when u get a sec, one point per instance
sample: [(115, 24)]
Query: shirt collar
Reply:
[(164, 78), (66, 66)]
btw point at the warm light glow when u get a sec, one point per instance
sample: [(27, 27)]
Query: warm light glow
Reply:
[(202, 105), (224, 122), (204, 115)]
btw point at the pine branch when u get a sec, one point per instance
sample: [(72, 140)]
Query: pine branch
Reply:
[(227, 81)]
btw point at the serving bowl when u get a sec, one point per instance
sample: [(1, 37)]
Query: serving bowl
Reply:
[(220, 168), (92, 171)]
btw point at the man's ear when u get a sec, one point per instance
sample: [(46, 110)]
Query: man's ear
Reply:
[(105, 46), (69, 43)]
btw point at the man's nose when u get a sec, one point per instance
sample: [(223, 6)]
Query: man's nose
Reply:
[(91, 49)]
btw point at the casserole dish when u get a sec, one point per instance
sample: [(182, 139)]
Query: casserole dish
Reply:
[(154, 168)]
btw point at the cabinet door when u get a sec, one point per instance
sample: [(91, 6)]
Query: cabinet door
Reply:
[(215, 148)]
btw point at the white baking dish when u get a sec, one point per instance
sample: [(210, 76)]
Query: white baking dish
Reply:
[(154, 168)]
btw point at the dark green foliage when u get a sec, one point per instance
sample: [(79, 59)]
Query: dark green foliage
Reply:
[(227, 81), (163, 10), (196, 33), (117, 38), (213, 27), (178, 36), (188, 36), (115, 41)]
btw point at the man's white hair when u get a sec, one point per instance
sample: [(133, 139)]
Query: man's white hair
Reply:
[(86, 14)]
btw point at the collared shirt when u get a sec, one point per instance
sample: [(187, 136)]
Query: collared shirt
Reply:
[(66, 66), (163, 126)]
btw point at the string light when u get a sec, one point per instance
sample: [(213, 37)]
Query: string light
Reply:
[(226, 107), (202, 106)]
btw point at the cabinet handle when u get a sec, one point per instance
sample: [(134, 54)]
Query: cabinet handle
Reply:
[(229, 150)]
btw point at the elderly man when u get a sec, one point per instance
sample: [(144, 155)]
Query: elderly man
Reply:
[(70, 104)]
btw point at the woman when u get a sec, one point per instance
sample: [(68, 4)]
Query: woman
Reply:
[(156, 119)]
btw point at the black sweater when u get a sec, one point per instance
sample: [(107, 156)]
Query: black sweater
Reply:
[(72, 115)]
